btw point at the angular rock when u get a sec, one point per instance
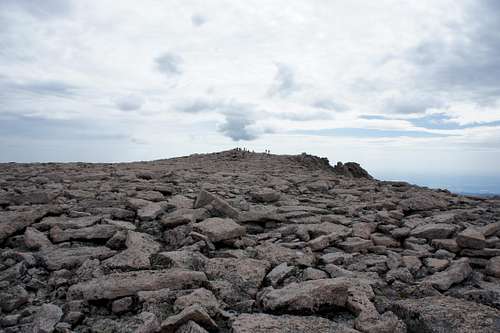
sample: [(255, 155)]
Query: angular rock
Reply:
[(319, 243), (351, 169), (422, 202), (200, 296), (219, 205), (151, 211), (493, 267), (337, 271), (13, 221), (191, 327), (58, 258), (382, 240), (363, 230), (122, 305), (433, 230), (194, 313), (246, 274), (140, 247), (386, 323), (127, 284), (147, 323), (337, 258), (356, 244), (436, 265), (13, 298), (277, 254), (456, 273), (307, 296), (413, 263), (485, 253), (46, 318), (446, 244), (278, 273), (97, 232), (490, 229), (64, 222), (35, 239), (218, 229), (314, 274), (261, 214), (265, 195), (181, 259), (471, 238)]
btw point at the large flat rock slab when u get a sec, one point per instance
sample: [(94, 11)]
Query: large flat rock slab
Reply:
[(441, 314), (307, 296), (219, 229), (247, 274), (265, 323), (126, 284), (57, 258), (12, 222)]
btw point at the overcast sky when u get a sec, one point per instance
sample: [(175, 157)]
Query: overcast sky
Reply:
[(402, 87)]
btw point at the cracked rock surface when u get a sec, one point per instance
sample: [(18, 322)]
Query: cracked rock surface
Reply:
[(241, 242)]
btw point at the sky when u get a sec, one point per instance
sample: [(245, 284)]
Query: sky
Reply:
[(408, 89)]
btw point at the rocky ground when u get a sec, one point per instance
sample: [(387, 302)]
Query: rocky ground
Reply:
[(241, 242)]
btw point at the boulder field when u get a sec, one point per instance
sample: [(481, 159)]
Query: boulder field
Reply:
[(241, 242)]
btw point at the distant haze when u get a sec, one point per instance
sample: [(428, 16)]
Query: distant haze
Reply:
[(408, 89)]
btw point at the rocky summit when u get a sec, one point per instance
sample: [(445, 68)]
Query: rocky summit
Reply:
[(241, 242)]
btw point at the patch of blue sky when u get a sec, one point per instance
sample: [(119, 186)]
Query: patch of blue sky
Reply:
[(368, 133)]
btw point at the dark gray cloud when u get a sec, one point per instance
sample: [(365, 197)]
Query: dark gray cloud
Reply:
[(284, 81), (39, 8), (236, 127), (129, 103), (468, 64), (169, 64), (238, 118), (198, 20), (411, 104)]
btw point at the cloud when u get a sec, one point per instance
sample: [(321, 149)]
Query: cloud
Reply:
[(284, 81), (39, 128), (239, 119), (465, 63), (129, 103), (302, 116), (329, 104), (410, 103), (237, 126), (373, 117), (169, 64), (198, 20), (50, 87), (39, 9), (201, 105)]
